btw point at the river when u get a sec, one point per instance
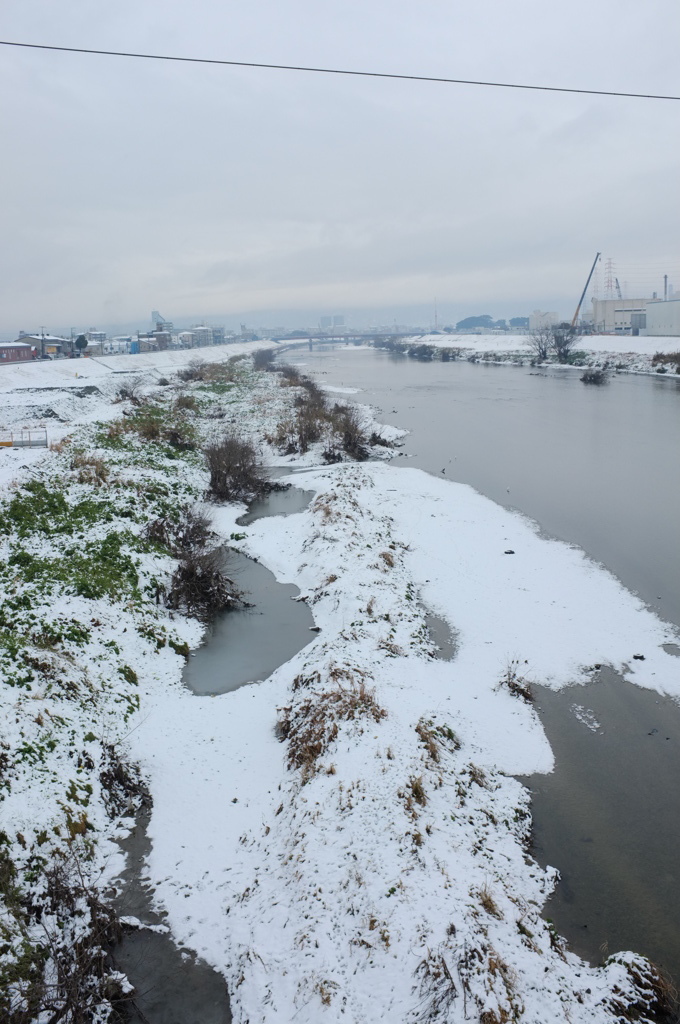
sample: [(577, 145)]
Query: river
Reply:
[(596, 467)]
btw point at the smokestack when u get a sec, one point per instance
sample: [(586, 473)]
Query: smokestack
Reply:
[(665, 287)]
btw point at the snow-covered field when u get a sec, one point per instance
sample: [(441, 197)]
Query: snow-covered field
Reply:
[(343, 841)]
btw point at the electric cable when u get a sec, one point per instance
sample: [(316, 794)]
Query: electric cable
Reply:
[(340, 71)]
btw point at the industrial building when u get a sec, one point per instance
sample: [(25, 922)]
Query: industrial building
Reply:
[(613, 316), (539, 320), (663, 318)]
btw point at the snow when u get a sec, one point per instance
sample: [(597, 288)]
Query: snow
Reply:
[(257, 890), (601, 343), (386, 877)]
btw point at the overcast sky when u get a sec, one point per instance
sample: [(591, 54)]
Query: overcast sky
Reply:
[(133, 185)]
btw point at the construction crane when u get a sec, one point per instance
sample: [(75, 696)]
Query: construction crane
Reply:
[(618, 289), (583, 293)]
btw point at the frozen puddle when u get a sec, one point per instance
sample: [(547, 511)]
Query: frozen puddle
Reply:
[(246, 645), (277, 503), (608, 817)]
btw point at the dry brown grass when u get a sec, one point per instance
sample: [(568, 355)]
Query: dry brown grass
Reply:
[(437, 987), (91, 470), (489, 904), (665, 357), (312, 725), (418, 793), (435, 737), (656, 998)]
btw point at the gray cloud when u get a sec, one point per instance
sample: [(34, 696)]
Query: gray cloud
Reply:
[(130, 185)]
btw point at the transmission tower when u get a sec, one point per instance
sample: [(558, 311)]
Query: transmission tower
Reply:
[(609, 279)]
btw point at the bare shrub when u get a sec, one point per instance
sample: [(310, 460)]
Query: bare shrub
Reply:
[(346, 423), (595, 377), (130, 390), (186, 403), (234, 469), (665, 357), (516, 683), (290, 374), (312, 725), (263, 359), (69, 975), (540, 343), (563, 340), (200, 586), (190, 530), (210, 373)]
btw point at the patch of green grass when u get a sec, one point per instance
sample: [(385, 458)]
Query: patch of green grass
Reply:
[(39, 509), (97, 569)]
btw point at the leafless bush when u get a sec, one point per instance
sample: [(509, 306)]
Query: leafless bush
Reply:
[(541, 342), (68, 974), (200, 586), (562, 341), (234, 469), (263, 359), (665, 357), (516, 683), (290, 374), (191, 529), (346, 423), (130, 390), (595, 377), (313, 724), (211, 373)]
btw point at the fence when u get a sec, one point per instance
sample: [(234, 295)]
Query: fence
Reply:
[(23, 439)]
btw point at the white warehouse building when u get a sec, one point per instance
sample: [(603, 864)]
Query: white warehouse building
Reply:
[(663, 318), (612, 316)]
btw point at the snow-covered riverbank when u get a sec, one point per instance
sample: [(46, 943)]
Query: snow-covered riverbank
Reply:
[(343, 841), (621, 353)]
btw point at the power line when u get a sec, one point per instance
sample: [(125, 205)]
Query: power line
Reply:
[(340, 71)]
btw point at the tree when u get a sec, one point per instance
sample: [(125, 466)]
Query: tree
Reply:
[(563, 339), (540, 342), (81, 343), (519, 321), (475, 321)]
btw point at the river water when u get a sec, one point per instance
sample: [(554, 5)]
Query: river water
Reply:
[(594, 466)]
